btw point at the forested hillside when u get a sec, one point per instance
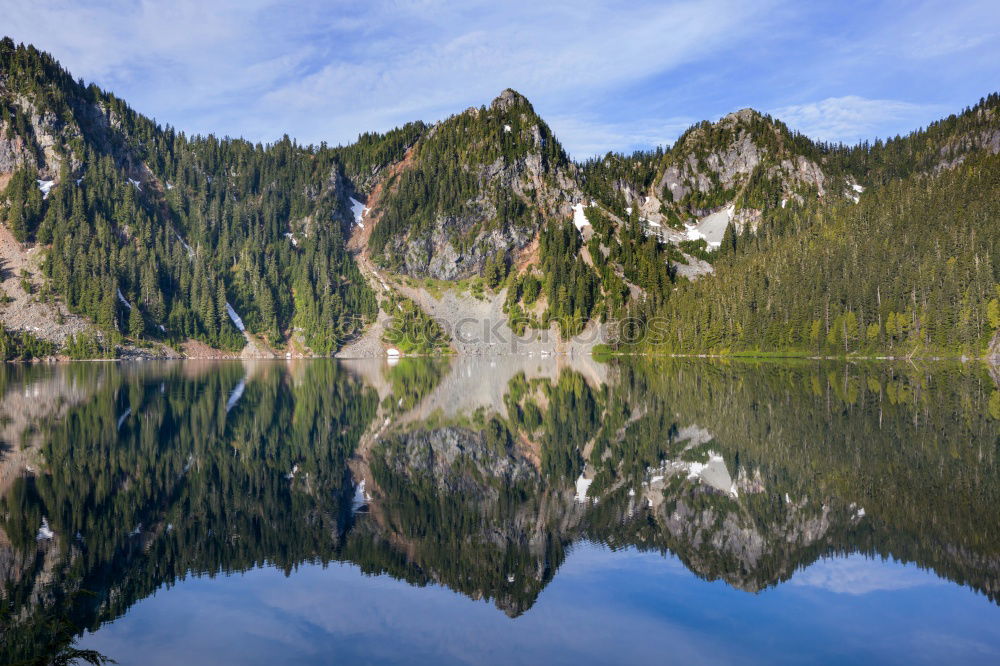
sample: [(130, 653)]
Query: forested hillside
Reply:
[(151, 233), (912, 267), (742, 236), (477, 188)]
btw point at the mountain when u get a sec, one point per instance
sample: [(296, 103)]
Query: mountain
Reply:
[(156, 236), (908, 266), (744, 164), (884, 248), (122, 236), (476, 187)]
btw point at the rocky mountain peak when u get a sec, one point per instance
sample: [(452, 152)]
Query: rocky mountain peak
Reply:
[(747, 161), (743, 115), (476, 189), (508, 99)]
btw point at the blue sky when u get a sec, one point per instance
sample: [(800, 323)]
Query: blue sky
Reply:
[(606, 76), (602, 607)]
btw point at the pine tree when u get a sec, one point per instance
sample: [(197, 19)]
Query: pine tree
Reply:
[(136, 324)]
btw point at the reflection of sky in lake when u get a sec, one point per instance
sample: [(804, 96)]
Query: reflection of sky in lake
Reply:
[(601, 607)]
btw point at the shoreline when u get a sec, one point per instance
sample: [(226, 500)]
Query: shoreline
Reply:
[(763, 356)]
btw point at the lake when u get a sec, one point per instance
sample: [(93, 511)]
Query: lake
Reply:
[(500, 511)]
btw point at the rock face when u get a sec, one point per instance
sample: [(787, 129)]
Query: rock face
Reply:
[(435, 254), (25, 311), (514, 177), (36, 138), (446, 455), (14, 152), (716, 165), (755, 556), (986, 138)]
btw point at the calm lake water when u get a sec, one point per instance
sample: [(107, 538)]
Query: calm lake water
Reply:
[(502, 511)]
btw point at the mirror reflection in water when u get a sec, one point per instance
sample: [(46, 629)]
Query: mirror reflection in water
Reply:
[(499, 510)]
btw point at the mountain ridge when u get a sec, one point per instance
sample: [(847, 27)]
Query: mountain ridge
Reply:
[(158, 238)]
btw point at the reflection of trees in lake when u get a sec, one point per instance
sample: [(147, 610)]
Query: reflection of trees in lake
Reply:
[(745, 472), (181, 485)]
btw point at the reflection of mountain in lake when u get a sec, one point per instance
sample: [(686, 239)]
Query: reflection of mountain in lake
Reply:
[(480, 475)]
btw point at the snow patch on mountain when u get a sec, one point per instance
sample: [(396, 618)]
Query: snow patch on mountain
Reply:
[(45, 186), (235, 317), (712, 227), (714, 474), (187, 247), (361, 498), (359, 211), (44, 532), (580, 217)]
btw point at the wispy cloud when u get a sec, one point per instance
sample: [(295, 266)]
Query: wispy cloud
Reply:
[(590, 136), (926, 30), (180, 61), (850, 119), (857, 575), (267, 67), (561, 55), (608, 75)]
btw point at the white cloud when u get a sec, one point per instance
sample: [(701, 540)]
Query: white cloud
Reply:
[(857, 574), (597, 70), (586, 136), (561, 55), (266, 67), (934, 29), (851, 118), (178, 61)]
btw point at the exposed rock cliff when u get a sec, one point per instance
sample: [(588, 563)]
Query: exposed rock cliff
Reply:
[(477, 185)]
